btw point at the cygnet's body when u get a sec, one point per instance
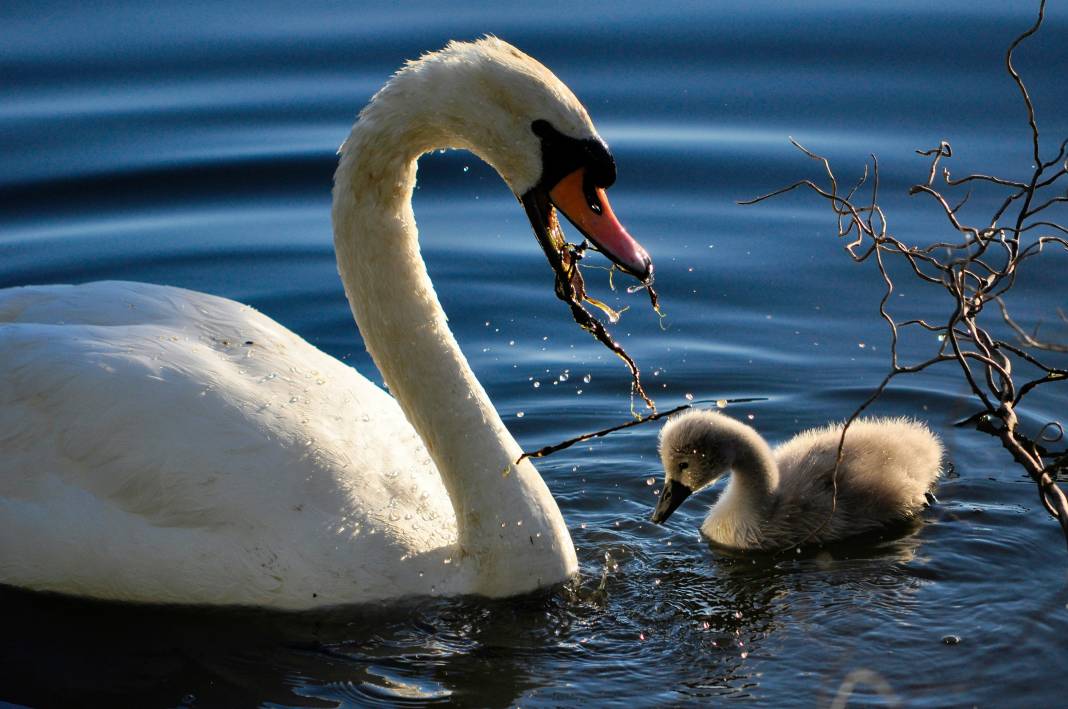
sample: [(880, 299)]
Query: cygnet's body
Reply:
[(789, 496)]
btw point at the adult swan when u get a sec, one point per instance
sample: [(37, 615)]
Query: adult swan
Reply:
[(166, 446)]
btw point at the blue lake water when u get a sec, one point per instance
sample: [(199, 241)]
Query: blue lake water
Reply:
[(193, 144)]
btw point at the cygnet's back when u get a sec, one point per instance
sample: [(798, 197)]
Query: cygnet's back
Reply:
[(888, 466)]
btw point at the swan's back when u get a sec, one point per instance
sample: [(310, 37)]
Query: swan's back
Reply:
[(888, 465), (193, 449)]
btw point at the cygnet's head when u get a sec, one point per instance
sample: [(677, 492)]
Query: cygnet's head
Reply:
[(696, 450)]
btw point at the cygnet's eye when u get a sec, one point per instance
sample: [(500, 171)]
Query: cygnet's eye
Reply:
[(683, 465)]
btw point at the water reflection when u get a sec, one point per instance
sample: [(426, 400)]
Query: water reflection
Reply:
[(194, 146)]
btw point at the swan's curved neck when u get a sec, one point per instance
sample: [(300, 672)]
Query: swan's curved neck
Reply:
[(509, 526)]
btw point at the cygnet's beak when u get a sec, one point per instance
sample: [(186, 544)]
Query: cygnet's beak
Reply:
[(673, 495)]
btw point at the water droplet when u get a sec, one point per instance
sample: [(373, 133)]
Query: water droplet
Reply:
[(721, 403), (656, 582), (537, 384), (466, 168), (641, 636), (447, 561), (750, 416), (587, 378), (519, 414), (294, 400), (951, 640), (519, 523), (689, 396), (511, 343), (650, 481), (942, 338)]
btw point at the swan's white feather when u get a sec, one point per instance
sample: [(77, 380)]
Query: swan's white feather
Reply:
[(152, 455)]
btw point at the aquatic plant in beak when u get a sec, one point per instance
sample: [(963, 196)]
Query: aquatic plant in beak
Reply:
[(575, 174)]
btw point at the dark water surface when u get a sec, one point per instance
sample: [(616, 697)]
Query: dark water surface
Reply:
[(193, 145)]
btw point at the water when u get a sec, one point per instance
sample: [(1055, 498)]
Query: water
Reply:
[(193, 145)]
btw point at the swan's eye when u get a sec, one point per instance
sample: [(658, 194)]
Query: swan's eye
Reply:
[(541, 128)]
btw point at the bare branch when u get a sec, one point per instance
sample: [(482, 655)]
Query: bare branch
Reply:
[(1025, 338), (980, 266), (1019, 82), (549, 450)]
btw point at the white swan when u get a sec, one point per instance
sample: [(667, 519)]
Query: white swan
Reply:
[(782, 498), (162, 445)]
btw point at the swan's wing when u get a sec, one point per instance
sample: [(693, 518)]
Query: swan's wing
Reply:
[(134, 416)]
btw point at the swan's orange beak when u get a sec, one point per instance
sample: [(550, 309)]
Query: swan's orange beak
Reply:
[(586, 206)]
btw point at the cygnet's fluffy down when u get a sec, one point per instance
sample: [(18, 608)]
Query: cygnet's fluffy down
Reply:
[(783, 498)]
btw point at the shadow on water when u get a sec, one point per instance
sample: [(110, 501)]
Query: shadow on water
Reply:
[(460, 651), (420, 652)]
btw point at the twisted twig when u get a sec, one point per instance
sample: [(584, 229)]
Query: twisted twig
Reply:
[(982, 267)]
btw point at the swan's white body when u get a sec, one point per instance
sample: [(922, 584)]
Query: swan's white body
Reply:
[(151, 455), (786, 496), (162, 445)]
